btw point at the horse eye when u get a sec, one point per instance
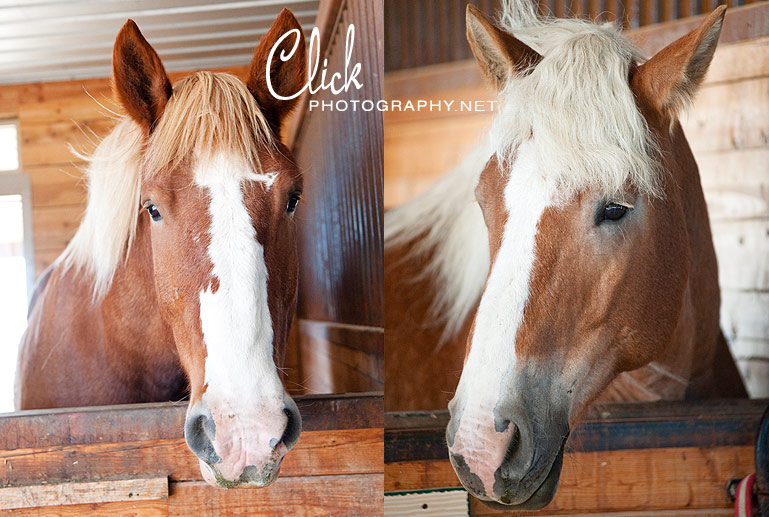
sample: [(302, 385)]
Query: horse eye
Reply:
[(614, 212), (292, 202), (154, 213)]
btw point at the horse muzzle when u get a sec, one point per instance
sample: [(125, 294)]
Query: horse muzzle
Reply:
[(508, 461), (242, 447)]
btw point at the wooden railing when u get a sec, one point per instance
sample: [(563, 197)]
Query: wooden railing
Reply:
[(653, 457), (134, 458)]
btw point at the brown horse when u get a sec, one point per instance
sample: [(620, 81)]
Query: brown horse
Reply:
[(183, 273), (583, 269)]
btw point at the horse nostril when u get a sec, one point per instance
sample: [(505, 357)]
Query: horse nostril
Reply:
[(513, 446), (293, 424), (199, 431)]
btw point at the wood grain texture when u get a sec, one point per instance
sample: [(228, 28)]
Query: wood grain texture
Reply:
[(648, 480), (651, 457), (736, 240), (336, 467), (84, 492), (605, 427), (350, 495), (131, 509), (57, 185), (55, 428), (729, 116), (334, 452)]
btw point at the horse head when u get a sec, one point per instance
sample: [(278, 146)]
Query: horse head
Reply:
[(218, 191), (587, 198)]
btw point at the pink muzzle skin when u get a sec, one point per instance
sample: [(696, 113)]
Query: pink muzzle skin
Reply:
[(242, 448)]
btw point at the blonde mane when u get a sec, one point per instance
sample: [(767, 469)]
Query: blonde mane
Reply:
[(207, 113), (576, 104)]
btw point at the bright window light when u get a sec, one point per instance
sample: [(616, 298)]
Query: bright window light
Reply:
[(9, 147), (13, 306)]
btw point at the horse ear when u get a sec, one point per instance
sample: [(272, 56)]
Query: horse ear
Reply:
[(140, 81), (288, 69), (498, 52), (669, 80)]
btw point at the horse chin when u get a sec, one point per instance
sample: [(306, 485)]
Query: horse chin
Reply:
[(250, 478), (541, 497)]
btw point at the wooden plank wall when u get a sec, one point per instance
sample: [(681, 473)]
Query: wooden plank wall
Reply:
[(727, 128), (335, 468), (52, 115), (340, 314), (657, 458)]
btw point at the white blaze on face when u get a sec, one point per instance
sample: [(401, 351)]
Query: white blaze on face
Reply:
[(237, 327), (492, 352)]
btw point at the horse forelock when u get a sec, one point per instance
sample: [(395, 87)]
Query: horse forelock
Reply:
[(579, 109), (207, 115)]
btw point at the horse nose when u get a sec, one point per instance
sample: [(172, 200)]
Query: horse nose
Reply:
[(199, 433), (489, 456), (293, 423), (245, 447), (200, 430)]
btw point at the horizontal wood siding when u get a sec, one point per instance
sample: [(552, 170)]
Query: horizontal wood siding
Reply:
[(727, 128), (336, 467), (662, 458)]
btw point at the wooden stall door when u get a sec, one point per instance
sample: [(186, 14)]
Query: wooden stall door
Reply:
[(339, 325)]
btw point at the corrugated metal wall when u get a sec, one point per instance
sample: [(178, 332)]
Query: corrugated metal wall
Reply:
[(428, 32), (341, 282)]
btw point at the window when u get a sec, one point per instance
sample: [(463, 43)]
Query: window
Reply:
[(9, 146), (17, 274)]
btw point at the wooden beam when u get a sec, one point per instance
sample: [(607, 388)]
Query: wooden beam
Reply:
[(350, 495), (649, 480), (337, 452), (84, 492), (165, 420), (608, 427)]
